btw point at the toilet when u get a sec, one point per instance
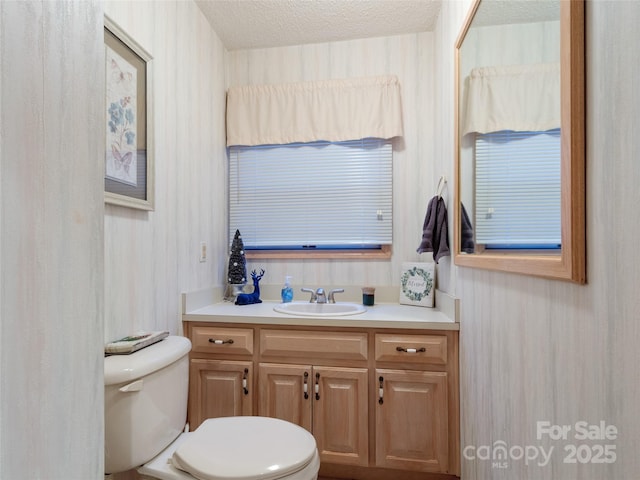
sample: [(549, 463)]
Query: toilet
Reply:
[(145, 419)]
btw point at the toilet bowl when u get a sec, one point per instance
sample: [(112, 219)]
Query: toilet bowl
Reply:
[(239, 448), (145, 416)]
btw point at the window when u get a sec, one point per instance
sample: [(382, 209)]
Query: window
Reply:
[(518, 189), (313, 196)]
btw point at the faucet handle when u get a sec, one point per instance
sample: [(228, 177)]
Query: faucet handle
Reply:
[(314, 297), (335, 290)]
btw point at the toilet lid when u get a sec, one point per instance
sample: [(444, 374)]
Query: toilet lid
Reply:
[(243, 448)]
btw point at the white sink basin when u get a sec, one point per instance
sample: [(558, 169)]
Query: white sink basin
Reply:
[(307, 309)]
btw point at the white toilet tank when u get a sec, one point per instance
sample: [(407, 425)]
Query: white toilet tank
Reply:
[(145, 402)]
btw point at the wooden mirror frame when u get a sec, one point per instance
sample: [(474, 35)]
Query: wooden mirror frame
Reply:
[(570, 264)]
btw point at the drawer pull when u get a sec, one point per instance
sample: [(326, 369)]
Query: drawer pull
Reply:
[(220, 342), (317, 387), (244, 381), (305, 387), (381, 391), (411, 350)]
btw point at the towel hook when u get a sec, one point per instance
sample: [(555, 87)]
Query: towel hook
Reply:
[(441, 184)]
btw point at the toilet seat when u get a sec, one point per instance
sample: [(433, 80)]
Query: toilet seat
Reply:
[(160, 468), (240, 448), (245, 448)]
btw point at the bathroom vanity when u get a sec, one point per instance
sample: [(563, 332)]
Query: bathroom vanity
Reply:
[(378, 390)]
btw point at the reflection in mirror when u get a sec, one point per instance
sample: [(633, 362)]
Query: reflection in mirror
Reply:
[(520, 138)]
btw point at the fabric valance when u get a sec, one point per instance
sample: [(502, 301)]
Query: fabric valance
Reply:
[(517, 97), (330, 110)]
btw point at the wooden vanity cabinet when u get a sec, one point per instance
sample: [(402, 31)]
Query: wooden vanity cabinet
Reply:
[(328, 395), (330, 402), (412, 412), (381, 403), (411, 420), (286, 392), (221, 372), (219, 388)]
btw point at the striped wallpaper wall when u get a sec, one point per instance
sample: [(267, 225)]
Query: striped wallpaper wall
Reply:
[(416, 171)]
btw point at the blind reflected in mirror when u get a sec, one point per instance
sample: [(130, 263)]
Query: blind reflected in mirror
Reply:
[(520, 139)]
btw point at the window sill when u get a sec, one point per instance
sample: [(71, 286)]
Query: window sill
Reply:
[(379, 254)]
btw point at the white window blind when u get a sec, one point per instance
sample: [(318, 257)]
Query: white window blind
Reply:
[(312, 196), (518, 189)]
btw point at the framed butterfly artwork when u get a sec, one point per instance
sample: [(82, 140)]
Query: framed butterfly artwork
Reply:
[(129, 173)]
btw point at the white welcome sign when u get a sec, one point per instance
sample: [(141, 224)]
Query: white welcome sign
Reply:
[(417, 284)]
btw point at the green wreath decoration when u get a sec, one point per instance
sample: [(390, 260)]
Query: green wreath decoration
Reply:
[(411, 294)]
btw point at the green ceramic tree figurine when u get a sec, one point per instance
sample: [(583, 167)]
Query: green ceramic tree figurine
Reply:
[(237, 271)]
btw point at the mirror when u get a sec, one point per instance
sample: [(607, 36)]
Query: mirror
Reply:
[(525, 59)]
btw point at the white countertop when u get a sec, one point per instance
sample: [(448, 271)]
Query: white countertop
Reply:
[(383, 315)]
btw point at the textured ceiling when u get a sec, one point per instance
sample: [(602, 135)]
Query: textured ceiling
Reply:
[(503, 12), (244, 24)]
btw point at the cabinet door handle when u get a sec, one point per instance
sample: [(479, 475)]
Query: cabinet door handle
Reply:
[(411, 350), (381, 391), (305, 387), (317, 387), (217, 341), (244, 381)]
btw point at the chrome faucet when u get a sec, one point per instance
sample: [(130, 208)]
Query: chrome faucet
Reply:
[(314, 296), (319, 296), (332, 292)]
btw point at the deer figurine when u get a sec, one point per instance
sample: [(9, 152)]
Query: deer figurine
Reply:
[(254, 297)]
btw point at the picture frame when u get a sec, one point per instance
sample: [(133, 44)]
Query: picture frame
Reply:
[(417, 284), (129, 153)]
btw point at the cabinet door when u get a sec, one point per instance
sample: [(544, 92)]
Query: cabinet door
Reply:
[(285, 392), (219, 388), (411, 420), (340, 414)]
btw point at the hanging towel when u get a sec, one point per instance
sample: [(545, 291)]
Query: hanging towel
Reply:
[(466, 232), (435, 237)]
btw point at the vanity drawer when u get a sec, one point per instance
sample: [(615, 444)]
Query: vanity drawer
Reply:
[(430, 349), (317, 344), (237, 341)]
